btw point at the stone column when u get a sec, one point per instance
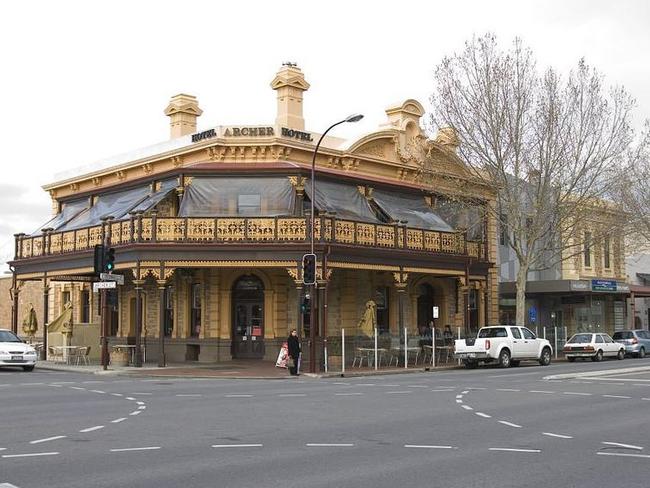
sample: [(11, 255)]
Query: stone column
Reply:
[(138, 322), (162, 287), (401, 282)]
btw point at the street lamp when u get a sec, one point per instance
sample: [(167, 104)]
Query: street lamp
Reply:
[(312, 331)]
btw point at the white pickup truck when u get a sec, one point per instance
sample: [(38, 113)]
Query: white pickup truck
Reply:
[(505, 344)]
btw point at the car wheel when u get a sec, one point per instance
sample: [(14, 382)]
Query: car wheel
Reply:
[(641, 354), (515, 362), (571, 359), (28, 368), (598, 356), (504, 358), (470, 364), (545, 358), (621, 354)]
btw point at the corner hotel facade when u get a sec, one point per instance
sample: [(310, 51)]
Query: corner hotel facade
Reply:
[(210, 227)]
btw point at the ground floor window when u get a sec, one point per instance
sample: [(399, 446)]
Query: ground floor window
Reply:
[(195, 311), (381, 300), (169, 311)]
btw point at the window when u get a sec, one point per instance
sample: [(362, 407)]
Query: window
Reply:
[(381, 299), (249, 204), (606, 258), (587, 250), (169, 311), (599, 339), (85, 307), (527, 333), (195, 313), (503, 224), (515, 332), (608, 339), (65, 298), (492, 332)]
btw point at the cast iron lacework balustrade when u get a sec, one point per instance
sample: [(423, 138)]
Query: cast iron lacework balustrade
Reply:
[(253, 229)]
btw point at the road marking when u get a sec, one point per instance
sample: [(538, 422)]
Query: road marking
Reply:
[(57, 386), (138, 393), (152, 448), (476, 388), (513, 450), (7, 485), (415, 386), (576, 393), (188, 395), (484, 415), (91, 429), (617, 396), (31, 384), (459, 401), (329, 445), (462, 393), (98, 391), (292, 394), (117, 421), (459, 396), (507, 389), (238, 396), (139, 403), (117, 394), (89, 382), (3, 448), (640, 384), (47, 439), (541, 391), (63, 383), (340, 383), (347, 394), (561, 436), (415, 446), (509, 424), (467, 407), (77, 388), (130, 398), (628, 446), (142, 407), (137, 412), (646, 399), (445, 389), (392, 385), (397, 392), (645, 456), (365, 384), (30, 455), (237, 445)]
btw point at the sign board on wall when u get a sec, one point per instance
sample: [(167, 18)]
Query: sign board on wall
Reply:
[(436, 312)]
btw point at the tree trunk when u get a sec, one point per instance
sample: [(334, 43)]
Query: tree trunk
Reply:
[(520, 304)]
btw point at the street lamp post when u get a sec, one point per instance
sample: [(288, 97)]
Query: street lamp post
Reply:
[(312, 288)]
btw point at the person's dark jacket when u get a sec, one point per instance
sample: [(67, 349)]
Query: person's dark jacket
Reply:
[(293, 344)]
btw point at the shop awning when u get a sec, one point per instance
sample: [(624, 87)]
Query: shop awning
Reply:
[(68, 212), (412, 208), (116, 204), (153, 199), (343, 199), (238, 197)]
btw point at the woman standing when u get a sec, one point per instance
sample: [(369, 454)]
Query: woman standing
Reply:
[(293, 344)]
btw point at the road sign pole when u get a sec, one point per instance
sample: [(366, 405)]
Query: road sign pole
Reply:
[(104, 326)]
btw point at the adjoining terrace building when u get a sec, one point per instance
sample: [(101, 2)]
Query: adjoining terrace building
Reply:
[(210, 227)]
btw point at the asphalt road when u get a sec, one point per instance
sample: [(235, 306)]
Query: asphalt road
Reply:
[(461, 428)]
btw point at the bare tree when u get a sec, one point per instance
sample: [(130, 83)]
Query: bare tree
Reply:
[(547, 145)]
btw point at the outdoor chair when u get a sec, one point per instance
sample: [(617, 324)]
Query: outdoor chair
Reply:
[(54, 354), (82, 354)]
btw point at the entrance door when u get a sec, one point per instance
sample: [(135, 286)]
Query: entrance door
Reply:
[(248, 318)]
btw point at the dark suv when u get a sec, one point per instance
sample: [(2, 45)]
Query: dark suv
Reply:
[(637, 342)]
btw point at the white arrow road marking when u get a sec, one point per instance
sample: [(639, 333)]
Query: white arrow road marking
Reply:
[(153, 448), (629, 446), (237, 445), (414, 446), (513, 450), (47, 439), (90, 429), (509, 424), (561, 436), (30, 455), (622, 454)]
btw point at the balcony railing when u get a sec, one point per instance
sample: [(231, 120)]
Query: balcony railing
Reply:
[(189, 230)]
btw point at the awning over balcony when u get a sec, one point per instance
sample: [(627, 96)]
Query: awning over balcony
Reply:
[(237, 197), (116, 204), (166, 187), (412, 208), (68, 211), (344, 199)]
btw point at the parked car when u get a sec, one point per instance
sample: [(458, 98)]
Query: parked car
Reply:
[(14, 352), (593, 346), (506, 344), (637, 342)]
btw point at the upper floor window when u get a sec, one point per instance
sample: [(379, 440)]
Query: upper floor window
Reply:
[(606, 253), (85, 306), (587, 250)]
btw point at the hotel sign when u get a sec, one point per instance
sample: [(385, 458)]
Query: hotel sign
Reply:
[(248, 131), (252, 132)]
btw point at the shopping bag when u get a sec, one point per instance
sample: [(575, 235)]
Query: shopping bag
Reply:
[(290, 362)]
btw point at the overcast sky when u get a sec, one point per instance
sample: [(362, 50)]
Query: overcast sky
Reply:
[(82, 81)]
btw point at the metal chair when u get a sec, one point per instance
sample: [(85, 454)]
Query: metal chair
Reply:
[(82, 354)]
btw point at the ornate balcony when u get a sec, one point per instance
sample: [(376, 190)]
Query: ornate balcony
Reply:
[(201, 230)]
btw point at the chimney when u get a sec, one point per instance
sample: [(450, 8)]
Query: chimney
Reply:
[(290, 83), (182, 111)]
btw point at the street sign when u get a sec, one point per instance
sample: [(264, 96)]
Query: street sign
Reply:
[(104, 284), (435, 312), (119, 279)]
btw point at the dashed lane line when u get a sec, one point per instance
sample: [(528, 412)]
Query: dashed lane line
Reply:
[(622, 454), (397, 392), (99, 391), (442, 389), (92, 429), (117, 394), (541, 391), (127, 449), (236, 445), (328, 445), (458, 400), (576, 393), (510, 449), (626, 446), (189, 395), (347, 394), (117, 421), (48, 439), (561, 436), (292, 395), (416, 446), (33, 454), (131, 398), (484, 415), (507, 389), (509, 424), (142, 407), (238, 396), (467, 407), (617, 396), (137, 412)]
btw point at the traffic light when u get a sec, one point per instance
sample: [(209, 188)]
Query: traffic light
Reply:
[(98, 260), (109, 260), (309, 269)]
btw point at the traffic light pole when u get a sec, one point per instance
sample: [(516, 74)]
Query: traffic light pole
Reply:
[(104, 326)]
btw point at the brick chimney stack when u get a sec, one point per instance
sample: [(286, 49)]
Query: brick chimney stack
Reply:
[(182, 111)]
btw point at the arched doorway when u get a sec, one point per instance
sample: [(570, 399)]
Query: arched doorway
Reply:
[(248, 318)]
